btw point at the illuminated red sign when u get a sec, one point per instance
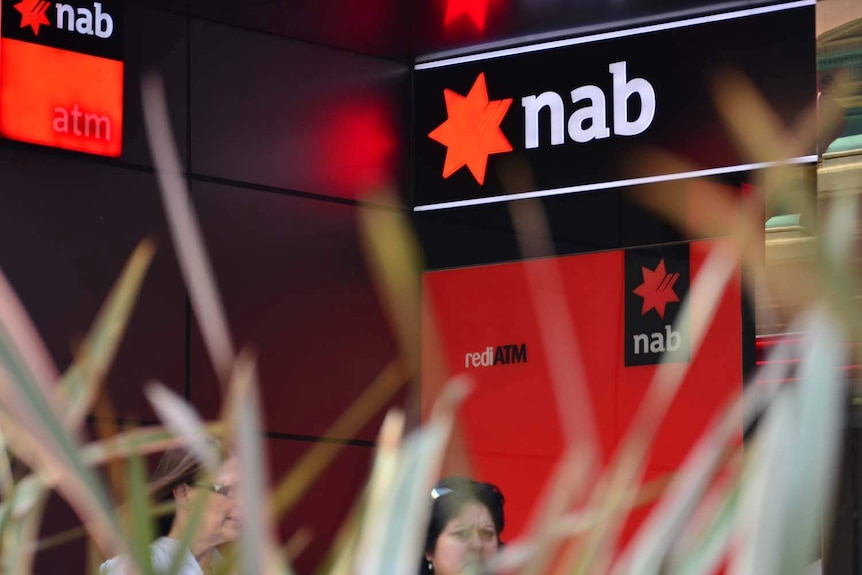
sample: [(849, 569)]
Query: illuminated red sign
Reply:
[(472, 130), (657, 289), (510, 424), (61, 75), (475, 10)]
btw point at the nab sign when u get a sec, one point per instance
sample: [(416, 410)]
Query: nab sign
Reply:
[(583, 113), (656, 282), (471, 131), (61, 74)]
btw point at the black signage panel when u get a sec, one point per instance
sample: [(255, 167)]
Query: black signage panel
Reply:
[(582, 114), (657, 280), (94, 28)]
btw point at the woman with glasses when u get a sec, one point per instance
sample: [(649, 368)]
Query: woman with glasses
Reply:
[(465, 526), (179, 478)]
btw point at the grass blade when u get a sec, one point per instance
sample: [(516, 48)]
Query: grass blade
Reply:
[(259, 551), (392, 537), (141, 530), (21, 529), (185, 231), (20, 335), (81, 383), (184, 422), (393, 256), (42, 442), (308, 469), (616, 497)]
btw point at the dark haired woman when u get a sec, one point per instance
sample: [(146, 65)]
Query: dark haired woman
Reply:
[(179, 476), (465, 526)]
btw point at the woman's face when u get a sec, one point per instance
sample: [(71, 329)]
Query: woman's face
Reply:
[(468, 540), (221, 521)]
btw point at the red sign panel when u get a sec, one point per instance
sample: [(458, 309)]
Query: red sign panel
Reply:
[(61, 75), (486, 320)]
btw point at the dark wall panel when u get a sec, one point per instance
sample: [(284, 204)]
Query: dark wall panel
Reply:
[(322, 509), (67, 228), (276, 112), (156, 42), (296, 289)]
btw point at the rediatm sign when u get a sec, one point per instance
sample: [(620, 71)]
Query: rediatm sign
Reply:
[(582, 111), (61, 74)]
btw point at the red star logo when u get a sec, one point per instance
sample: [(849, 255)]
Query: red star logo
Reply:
[(657, 289), (472, 130), (33, 14), (476, 10)]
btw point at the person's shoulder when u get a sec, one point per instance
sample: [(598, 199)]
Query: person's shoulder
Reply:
[(162, 552), (115, 566)]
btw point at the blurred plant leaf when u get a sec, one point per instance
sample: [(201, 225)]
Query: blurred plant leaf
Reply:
[(184, 422), (614, 497), (7, 481), (21, 348), (794, 460), (185, 231), (81, 383), (655, 538), (41, 441), (394, 258), (578, 466), (709, 547), (380, 481), (393, 532), (259, 550), (343, 554), (20, 528), (190, 531), (297, 481), (142, 440), (140, 530)]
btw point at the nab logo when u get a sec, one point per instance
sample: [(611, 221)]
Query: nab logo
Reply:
[(501, 355), (652, 302), (81, 20), (472, 130), (33, 14), (657, 289)]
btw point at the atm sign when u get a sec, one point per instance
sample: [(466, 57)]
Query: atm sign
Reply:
[(60, 89)]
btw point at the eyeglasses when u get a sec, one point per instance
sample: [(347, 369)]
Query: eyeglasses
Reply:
[(214, 487)]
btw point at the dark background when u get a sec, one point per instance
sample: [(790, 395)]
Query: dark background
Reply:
[(280, 138), (285, 112)]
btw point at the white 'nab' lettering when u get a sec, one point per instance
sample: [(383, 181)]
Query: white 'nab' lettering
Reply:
[(657, 342), (622, 90), (85, 21), (597, 128), (589, 120), (532, 106)]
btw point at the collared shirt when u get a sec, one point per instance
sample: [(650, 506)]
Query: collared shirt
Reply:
[(163, 550)]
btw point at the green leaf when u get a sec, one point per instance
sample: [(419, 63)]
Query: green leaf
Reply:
[(20, 528), (141, 533), (81, 383)]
